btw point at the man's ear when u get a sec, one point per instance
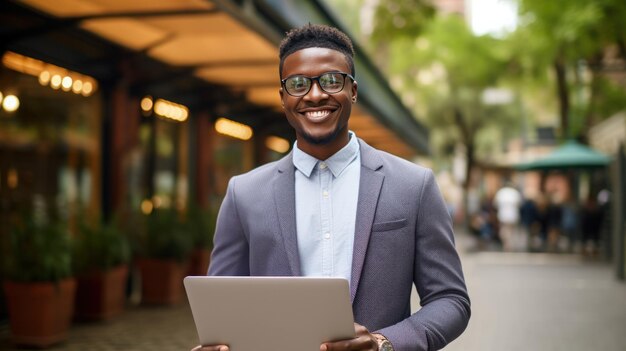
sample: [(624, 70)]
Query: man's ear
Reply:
[(354, 91), (281, 92)]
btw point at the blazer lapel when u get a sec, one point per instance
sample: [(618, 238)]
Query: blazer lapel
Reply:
[(369, 191), (285, 198)]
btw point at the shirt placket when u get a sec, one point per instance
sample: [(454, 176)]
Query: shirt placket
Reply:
[(326, 214)]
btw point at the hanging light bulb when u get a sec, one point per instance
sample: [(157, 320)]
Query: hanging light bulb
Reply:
[(146, 104), (66, 83), (44, 77), (87, 88), (77, 86), (55, 81), (10, 103)]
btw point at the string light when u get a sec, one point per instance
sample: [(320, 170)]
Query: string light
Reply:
[(66, 83), (277, 144), (48, 74), (146, 207), (77, 87), (166, 109), (44, 78), (10, 103), (55, 81), (146, 104), (234, 129)]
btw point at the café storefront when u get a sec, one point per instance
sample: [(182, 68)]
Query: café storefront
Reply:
[(120, 102), (129, 106)]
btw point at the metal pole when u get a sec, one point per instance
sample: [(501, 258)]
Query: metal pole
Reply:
[(619, 213)]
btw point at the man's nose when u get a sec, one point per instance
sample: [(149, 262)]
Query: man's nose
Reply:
[(316, 92)]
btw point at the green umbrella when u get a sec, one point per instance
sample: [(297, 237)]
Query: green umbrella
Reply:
[(570, 155)]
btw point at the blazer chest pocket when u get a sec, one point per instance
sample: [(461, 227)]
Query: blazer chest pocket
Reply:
[(387, 226)]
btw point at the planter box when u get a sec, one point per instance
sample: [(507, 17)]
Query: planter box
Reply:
[(101, 295), (40, 314), (161, 281), (199, 262)]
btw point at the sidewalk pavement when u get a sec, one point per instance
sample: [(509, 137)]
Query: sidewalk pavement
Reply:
[(541, 302), (139, 328), (520, 301)]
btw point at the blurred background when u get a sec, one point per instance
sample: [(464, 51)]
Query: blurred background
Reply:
[(121, 123)]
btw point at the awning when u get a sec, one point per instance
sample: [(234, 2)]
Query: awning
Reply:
[(214, 55), (570, 155)]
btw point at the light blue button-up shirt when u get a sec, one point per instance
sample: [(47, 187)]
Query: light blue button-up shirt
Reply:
[(326, 201)]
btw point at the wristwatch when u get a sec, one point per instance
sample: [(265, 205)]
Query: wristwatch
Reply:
[(383, 343)]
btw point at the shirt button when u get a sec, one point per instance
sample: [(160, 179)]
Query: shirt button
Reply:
[(325, 193), (327, 236), (323, 165)]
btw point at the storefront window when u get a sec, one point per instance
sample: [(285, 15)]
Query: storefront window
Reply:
[(49, 149), (232, 156), (165, 159)]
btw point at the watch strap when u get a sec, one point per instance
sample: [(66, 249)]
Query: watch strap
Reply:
[(383, 343)]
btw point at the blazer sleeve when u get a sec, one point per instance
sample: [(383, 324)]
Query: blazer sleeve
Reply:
[(230, 254), (438, 278)]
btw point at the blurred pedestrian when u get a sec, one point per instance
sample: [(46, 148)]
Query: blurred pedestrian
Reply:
[(569, 225), (540, 228), (337, 207), (554, 220), (591, 221), (529, 219), (507, 202), (484, 224)]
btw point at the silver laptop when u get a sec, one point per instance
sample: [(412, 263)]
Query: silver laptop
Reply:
[(270, 313)]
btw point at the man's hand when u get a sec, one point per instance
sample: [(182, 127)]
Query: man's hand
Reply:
[(211, 348), (362, 341)]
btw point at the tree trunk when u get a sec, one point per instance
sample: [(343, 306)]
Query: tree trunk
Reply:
[(595, 64), (468, 141), (469, 166), (563, 94)]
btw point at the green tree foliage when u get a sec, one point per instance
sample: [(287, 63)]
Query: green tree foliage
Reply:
[(570, 39), (556, 61), (442, 71), (445, 73), (439, 68), (406, 18)]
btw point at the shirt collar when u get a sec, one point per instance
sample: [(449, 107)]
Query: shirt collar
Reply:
[(305, 163)]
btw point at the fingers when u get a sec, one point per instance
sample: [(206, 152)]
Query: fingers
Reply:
[(211, 348), (360, 330), (361, 342)]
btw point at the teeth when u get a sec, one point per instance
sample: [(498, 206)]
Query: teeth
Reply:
[(317, 114)]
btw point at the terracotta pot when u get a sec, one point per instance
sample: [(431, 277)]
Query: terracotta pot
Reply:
[(101, 295), (40, 314), (199, 262), (161, 281)]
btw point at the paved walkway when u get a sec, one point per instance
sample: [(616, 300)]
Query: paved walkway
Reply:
[(542, 302), (520, 301), (137, 329)]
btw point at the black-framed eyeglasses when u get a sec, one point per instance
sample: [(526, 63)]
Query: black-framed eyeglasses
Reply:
[(330, 83)]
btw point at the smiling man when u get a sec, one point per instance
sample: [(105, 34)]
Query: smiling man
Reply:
[(337, 207)]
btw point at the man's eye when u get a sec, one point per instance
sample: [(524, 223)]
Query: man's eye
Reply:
[(298, 83), (330, 81)]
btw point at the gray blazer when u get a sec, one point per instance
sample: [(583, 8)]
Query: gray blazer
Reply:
[(403, 236)]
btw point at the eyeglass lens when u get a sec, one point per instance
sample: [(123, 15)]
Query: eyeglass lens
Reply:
[(331, 83)]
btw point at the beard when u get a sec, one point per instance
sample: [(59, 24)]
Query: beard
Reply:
[(324, 139)]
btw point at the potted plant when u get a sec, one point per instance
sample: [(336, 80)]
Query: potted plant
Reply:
[(38, 284), (164, 249), (101, 256), (201, 226)]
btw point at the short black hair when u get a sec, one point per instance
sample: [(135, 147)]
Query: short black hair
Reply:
[(316, 36)]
